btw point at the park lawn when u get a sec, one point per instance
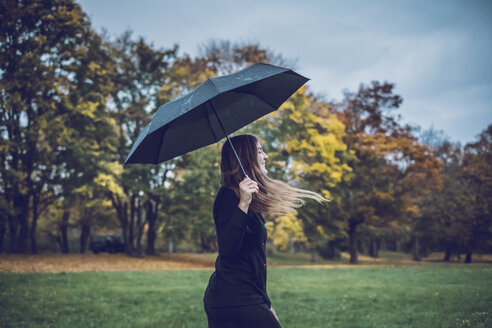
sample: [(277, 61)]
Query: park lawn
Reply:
[(440, 295)]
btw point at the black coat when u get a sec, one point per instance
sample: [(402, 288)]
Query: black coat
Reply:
[(240, 269)]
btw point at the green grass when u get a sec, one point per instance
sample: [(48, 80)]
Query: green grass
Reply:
[(452, 295)]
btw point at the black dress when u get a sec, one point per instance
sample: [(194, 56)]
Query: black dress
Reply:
[(240, 273)]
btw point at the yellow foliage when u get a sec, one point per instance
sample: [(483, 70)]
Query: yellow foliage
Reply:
[(288, 105), (182, 70), (88, 109), (322, 232), (320, 168), (319, 138), (98, 203), (326, 194), (109, 181), (302, 90), (93, 66), (335, 126), (295, 116), (413, 210), (336, 175), (286, 229)]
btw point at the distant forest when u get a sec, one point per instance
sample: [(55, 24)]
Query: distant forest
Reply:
[(73, 101)]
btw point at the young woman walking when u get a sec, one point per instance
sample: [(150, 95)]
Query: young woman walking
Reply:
[(236, 294)]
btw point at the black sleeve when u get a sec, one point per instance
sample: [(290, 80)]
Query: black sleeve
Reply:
[(231, 222)]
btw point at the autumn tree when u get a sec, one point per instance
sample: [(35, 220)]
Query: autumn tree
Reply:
[(140, 72), (478, 172), (455, 219), (53, 121), (226, 57), (390, 169), (443, 213), (304, 140)]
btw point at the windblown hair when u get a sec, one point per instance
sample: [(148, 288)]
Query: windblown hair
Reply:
[(275, 197)]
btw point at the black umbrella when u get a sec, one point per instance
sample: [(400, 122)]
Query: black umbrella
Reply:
[(216, 108)]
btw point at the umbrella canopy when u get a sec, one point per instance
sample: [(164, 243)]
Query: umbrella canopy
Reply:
[(216, 108)]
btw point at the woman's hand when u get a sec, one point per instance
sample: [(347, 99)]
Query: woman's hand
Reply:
[(246, 189), (274, 313)]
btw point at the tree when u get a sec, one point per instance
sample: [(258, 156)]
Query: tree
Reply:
[(442, 213), (455, 219), (141, 71), (225, 57), (51, 86), (194, 185), (391, 168), (478, 172), (308, 142)]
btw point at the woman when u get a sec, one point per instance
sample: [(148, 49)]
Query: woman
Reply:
[(236, 294)]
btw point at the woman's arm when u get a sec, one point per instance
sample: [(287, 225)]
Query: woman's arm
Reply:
[(232, 222), (232, 215)]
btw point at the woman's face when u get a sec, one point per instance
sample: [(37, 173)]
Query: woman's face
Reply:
[(262, 157)]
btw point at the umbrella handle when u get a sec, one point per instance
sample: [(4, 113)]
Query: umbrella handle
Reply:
[(233, 149)]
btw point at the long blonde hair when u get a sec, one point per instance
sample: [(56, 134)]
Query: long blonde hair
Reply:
[(275, 197)]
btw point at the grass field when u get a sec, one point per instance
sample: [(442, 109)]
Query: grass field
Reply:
[(433, 295)]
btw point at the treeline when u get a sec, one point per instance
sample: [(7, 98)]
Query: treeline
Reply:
[(73, 101)]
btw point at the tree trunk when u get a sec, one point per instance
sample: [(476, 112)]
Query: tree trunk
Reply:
[(151, 238), (59, 240), (292, 247), (84, 236), (362, 247), (374, 248), (21, 203), (170, 246), (63, 232), (32, 231), (122, 214), (416, 249), (383, 246), (12, 234), (313, 253), (140, 227), (3, 229), (353, 243), (131, 230), (468, 258), (447, 255), (126, 236), (152, 212), (203, 244), (32, 235)]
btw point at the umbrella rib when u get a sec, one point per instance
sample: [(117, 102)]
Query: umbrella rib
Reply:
[(210, 123), (160, 144), (256, 96), (266, 102)]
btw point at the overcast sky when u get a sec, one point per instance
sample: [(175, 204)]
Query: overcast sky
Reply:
[(438, 53)]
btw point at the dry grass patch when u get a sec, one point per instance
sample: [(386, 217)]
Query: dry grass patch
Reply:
[(53, 263)]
